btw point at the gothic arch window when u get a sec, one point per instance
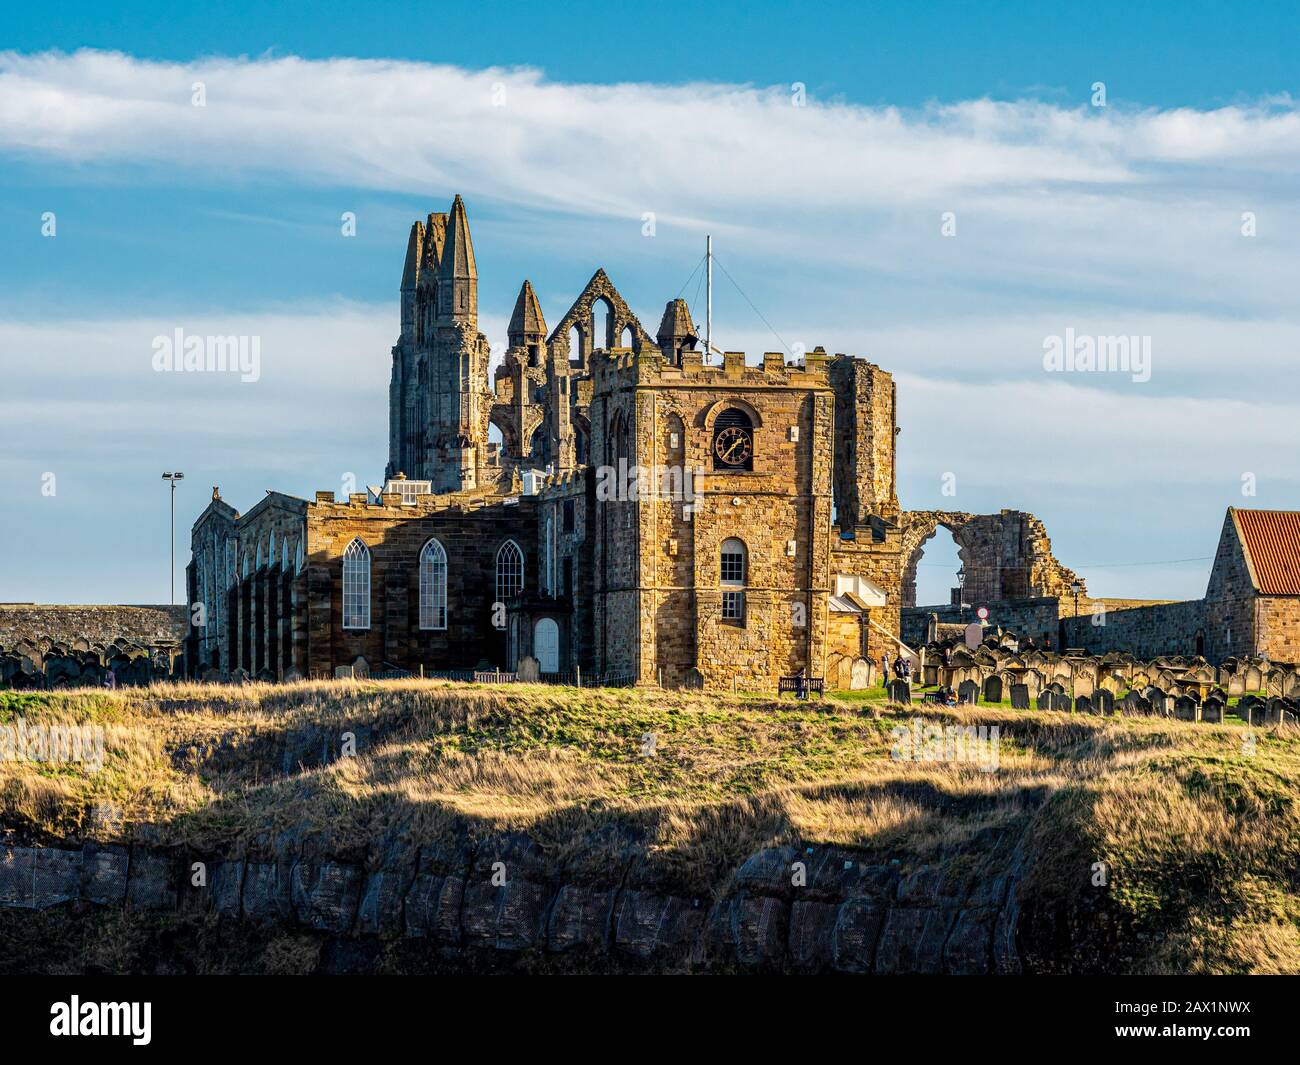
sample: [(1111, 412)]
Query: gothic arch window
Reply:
[(733, 572), (356, 586), (549, 545), (510, 571), (433, 586), (733, 440)]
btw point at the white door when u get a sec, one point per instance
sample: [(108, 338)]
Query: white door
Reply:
[(546, 645)]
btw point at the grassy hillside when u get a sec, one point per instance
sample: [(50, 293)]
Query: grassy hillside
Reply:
[(1196, 825)]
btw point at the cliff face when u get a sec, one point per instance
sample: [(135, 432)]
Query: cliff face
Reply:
[(496, 904)]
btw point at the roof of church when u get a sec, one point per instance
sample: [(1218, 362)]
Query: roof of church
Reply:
[(1271, 539), (527, 317)]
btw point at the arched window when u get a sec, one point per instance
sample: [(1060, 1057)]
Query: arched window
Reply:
[(733, 573), (510, 571), (549, 572), (433, 586), (356, 586)]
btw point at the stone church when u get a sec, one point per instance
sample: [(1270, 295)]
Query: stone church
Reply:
[(606, 501)]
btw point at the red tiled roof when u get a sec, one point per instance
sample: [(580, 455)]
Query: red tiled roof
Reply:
[(1272, 542)]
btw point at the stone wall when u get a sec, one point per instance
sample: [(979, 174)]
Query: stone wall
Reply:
[(1024, 617), (503, 897), (43, 624), (1145, 632), (395, 535)]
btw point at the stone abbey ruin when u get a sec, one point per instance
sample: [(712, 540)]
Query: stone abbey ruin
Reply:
[(608, 506)]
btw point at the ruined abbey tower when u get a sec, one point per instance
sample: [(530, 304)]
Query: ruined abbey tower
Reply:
[(439, 396)]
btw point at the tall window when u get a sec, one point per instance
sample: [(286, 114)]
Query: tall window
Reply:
[(510, 571), (734, 563), (356, 586), (433, 586), (550, 555)]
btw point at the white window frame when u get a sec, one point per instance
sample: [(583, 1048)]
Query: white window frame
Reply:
[(733, 589), (356, 585), (503, 559), (433, 586)]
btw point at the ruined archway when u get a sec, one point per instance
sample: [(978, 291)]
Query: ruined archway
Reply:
[(1006, 555)]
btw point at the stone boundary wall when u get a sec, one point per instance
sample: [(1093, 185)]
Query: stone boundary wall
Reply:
[(1144, 632), (851, 916), (41, 623), (1024, 617)]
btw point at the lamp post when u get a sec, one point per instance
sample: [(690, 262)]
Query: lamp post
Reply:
[(961, 593), (1076, 588), (173, 478)]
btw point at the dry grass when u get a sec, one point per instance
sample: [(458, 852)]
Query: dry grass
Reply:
[(1200, 838)]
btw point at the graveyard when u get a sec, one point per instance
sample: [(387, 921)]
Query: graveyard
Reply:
[(427, 826)]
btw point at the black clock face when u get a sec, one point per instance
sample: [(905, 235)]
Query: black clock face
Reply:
[(733, 446)]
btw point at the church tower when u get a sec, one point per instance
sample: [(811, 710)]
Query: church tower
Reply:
[(440, 398)]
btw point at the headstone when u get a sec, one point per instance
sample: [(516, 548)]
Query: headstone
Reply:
[(993, 689), (1185, 708), (968, 692), (1020, 697), (529, 669), (1083, 705), (900, 692), (974, 635), (1212, 710), (1103, 700), (861, 674)]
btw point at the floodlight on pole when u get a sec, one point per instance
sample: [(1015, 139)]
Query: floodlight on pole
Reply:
[(172, 478)]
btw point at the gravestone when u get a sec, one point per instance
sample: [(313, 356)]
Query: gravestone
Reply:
[(1186, 708), (993, 689), (1103, 700), (968, 693), (1212, 710), (1020, 697), (1083, 705), (861, 674), (900, 692), (1045, 700), (529, 669)]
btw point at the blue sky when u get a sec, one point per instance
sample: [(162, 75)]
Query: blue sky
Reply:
[(1118, 220)]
